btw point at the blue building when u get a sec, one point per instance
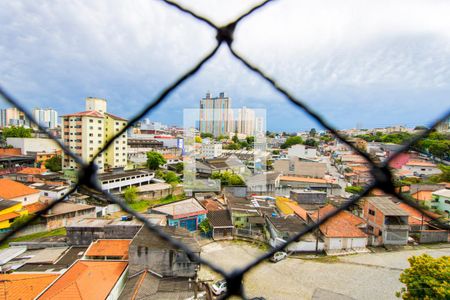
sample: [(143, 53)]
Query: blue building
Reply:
[(185, 213)]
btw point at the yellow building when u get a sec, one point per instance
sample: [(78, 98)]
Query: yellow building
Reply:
[(87, 132), (9, 211)]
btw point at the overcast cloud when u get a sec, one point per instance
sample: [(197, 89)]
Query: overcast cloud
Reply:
[(372, 63)]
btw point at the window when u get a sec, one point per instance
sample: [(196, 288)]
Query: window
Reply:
[(91, 121), (371, 212)]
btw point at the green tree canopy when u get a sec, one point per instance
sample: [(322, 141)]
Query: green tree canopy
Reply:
[(426, 278), (54, 164), (155, 160), (312, 132), (179, 167), (206, 135), (18, 131), (292, 140), (171, 177), (228, 178), (312, 142), (354, 189), (130, 194)]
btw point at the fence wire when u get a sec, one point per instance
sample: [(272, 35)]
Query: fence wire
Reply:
[(87, 175)]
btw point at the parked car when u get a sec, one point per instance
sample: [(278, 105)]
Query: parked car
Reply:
[(219, 287), (280, 255)]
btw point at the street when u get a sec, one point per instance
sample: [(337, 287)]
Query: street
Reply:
[(362, 276)]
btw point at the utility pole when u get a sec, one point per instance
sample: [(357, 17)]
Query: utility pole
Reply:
[(317, 231)]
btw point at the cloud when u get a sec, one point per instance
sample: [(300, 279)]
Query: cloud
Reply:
[(346, 59)]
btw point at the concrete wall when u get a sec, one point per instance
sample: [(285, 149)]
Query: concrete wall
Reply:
[(309, 198), (345, 243), (33, 144), (84, 235), (166, 262), (116, 231), (433, 236)]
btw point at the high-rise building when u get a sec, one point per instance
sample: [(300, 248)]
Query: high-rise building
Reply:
[(86, 133), (13, 117), (246, 121), (216, 115), (46, 117)]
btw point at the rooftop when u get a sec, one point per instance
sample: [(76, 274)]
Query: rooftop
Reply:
[(181, 209), (4, 204), (343, 224), (289, 224), (88, 113), (304, 179), (415, 216), (443, 193), (65, 207), (18, 286), (10, 189), (32, 171), (86, 280), (220, 218), (109, 248), (147, 238), (122, 174), (387, 206)]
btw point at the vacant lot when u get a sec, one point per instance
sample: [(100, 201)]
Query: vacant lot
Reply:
[(365, 276)]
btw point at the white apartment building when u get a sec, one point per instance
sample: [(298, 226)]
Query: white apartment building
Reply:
[(211, 150), (46, 117), (216, 115), (87, 132), (13, 117), (302, 151), (246, 121)]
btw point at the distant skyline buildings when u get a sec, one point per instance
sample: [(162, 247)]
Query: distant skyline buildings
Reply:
[(12, 116), (216, 116), (46, 117)]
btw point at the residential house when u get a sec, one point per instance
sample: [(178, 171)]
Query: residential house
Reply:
[(187, 213), (423, 192), (221, 224), (387, 223), (421, 168), (108, 250), (319, 184), (421, 226), (281, 229), (148, 251), (302, 151), (24, 285), (89, 279), (51, 191), (263, 183), (16, 191), (206, 167), (300, 167), (344, 231), (65, 213), (441, 200), (9, 211), (249, 214), (308, 197)]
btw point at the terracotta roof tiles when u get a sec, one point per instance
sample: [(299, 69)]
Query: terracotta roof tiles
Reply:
[(10, 189)]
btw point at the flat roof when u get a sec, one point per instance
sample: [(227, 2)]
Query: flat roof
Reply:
[(122, 174), (109, 248), (387, 206)]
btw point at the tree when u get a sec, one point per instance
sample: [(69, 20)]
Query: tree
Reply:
[(228, 178), (54, 163), (204, 226), (444, 176), (426, 278), (276, 152), (155, 160), (198, 139), (235, 138), (312, 132), (19, 221), (130, 194), (19, 131), (420, 127), (171, 177), (354, 189), (311, 142), (292, 140), (206, 135), (179, 167)]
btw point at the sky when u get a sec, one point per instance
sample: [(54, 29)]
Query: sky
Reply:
[(357, 63)]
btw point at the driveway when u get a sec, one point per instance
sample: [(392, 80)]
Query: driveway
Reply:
[(365, 276)]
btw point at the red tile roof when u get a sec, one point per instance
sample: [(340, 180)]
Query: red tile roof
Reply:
[(32, 171), (109, 248), (298, 210), (89, 113), (9, 216), (35, 207), (415, 216), (10, 189), (304, 179), (20, 286), (87, 280), (115, 117), (344, 224)]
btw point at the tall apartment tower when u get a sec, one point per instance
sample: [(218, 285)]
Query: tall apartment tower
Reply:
[(87, 132), (216, 115), (246, 121), (46, 117), (13, 117)]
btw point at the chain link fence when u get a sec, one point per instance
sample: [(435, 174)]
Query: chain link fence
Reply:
[(87, 176)]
